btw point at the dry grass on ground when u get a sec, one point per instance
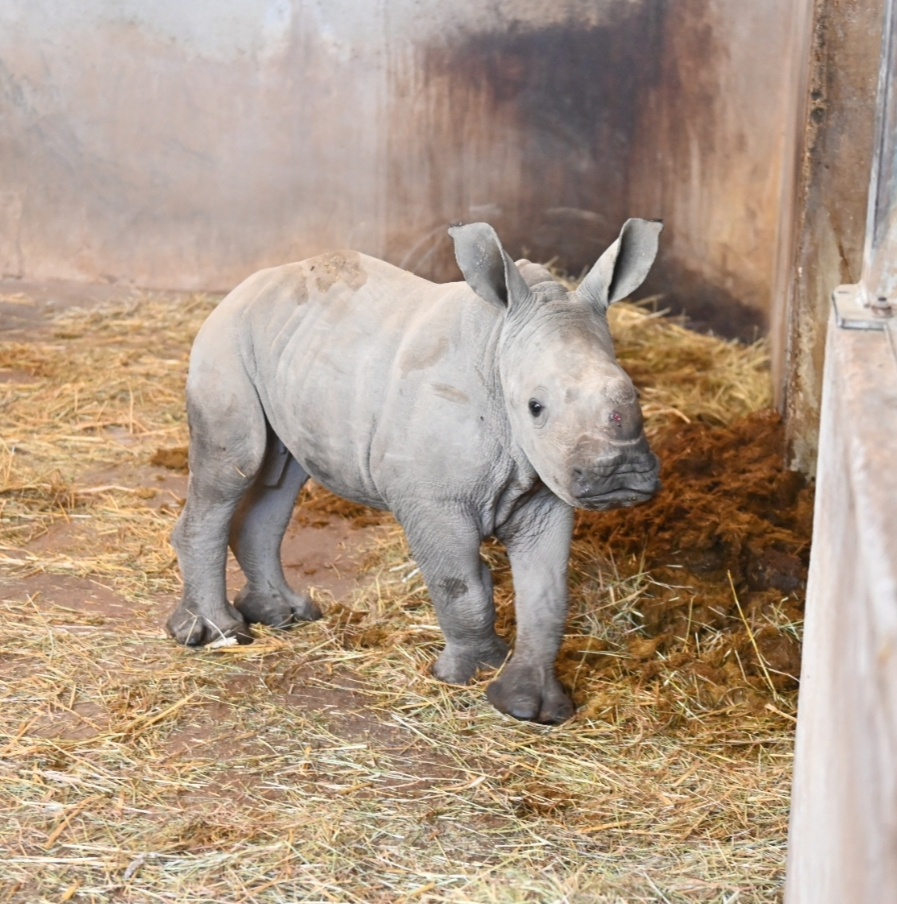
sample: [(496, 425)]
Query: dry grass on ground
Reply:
[(324, 763)]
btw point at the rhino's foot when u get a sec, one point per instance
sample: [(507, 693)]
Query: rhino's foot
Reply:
[(458, 666), (275, 608), (188, 627), (518, 693)]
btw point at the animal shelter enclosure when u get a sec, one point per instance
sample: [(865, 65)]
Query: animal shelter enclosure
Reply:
[(152, 157)]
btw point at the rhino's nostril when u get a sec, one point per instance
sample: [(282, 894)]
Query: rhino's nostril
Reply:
[(624, 424)]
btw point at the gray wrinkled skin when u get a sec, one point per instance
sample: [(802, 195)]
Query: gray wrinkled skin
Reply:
[(486, 407)]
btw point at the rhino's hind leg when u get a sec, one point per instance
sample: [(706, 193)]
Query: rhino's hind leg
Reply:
[(446, 546), (228, 436), (256, 536)]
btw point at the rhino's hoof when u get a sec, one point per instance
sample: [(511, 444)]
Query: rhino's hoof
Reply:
[(194, 630), (275, 609), (529, 702), (454, 667)]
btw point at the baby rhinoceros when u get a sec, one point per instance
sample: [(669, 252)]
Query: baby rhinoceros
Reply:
[(490, 407)]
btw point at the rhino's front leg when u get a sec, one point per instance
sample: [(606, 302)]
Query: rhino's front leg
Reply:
[(445, 544), (538, 542)]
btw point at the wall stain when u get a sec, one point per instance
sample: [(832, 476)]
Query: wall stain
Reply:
[(708, 306), (555, 135), (681, 115), (529, 129)]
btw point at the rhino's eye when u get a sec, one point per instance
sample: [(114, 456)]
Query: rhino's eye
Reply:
[(535, 407)]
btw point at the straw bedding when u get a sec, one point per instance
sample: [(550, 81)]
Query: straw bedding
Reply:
[(324, 763)]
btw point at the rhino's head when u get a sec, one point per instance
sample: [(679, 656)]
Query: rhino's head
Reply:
[(572, 408)]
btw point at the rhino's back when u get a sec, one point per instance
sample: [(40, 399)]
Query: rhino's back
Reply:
[(369, 374)]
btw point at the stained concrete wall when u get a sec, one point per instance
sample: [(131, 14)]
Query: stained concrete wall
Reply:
[(823, 203), (185, 144), (714, 150)]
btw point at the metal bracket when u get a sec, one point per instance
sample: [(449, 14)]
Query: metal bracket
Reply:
[(852, 312)]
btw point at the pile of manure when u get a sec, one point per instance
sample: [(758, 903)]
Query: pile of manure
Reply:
[(325, 763)]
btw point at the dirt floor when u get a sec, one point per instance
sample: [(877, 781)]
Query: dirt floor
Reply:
[(325, 763)]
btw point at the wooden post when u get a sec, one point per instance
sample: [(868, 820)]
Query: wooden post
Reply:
[(843, 831)]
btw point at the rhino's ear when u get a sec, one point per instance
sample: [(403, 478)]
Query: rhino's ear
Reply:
[(624, 266), (486, 267)]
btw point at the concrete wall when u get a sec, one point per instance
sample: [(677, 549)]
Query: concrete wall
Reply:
[(186, 143), (714, 145), (823, 203)]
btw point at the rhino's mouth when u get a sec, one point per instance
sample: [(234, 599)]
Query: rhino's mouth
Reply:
[(619, 498), (623, 480)]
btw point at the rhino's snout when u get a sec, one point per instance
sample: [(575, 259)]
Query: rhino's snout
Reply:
[(627, 478)]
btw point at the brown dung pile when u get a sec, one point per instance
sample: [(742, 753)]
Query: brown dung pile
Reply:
[(727, 544)]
